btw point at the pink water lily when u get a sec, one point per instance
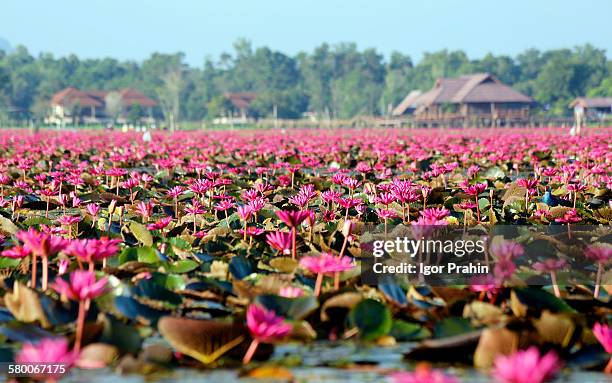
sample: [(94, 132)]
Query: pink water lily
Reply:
[(290, 292), (325, 264), (602, 254), (280, 241), (93, 250), (48, 351), (526, 366), (82, 287), (603, 333), (43, 245), (551, 266), (265, 327), (293, 219), (423, 373)]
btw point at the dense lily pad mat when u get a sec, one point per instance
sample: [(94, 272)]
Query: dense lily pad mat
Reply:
[(243, 250)]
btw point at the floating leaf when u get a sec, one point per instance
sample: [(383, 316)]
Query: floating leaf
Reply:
[(147, 254), (24, 332), (482, 313), (240, 267), (494, 342), (9, 263), (555, 328), (131, 308), (284, 264), (372, 318), (452, 326), (125, 337), (183, 266), (25, 305), (141, 233), (394, 292), (152, 289), (533, 298), (345, 300), (205, 341), (407, 331), (7, 226)]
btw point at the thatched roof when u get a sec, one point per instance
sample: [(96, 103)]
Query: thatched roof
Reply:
[(407, 102), (129, 97), (240, 100), (475, 88)]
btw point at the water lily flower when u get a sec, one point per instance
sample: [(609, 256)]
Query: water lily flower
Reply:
[(161, 224), (551, 266), (325, 264), (603, 333), (93, 250), (82, 287), (280, 241), (48, 351), (291, 292), (93, 209), (145, 209), (486, 285), (506, 249), (293, 219), (62, 266), (16, 252), (265, 327), (526, 366), (474, 191), (423, 373), (602, 254), (43, 245)]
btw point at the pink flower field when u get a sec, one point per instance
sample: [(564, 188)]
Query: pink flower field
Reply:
[(219, 250)]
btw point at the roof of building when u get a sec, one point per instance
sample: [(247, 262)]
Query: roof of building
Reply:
[(240, 100), (132, 97), (71, 95), (407, 103), (474, 88), (592, 102)]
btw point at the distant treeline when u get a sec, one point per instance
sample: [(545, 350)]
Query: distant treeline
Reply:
[(338, 81)]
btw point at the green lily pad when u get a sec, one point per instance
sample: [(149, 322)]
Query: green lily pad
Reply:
[(183, 266), (372, 318), (407, 331), (452, 326), (141, 233), (526, 298)]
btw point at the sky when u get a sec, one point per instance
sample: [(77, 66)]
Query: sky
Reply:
[(133, 29)]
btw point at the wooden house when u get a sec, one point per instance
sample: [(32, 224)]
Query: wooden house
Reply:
[(472, 100)]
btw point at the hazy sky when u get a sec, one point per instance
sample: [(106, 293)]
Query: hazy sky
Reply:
[(133, 29)]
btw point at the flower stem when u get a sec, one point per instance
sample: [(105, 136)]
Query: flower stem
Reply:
[(318, 284), (250, 351), (80, 325), (553, 278), (598, 279), (45, 272), (34, 270), (293, 243)]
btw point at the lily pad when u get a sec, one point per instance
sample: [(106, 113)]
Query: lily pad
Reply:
[(141, 233), (372, 318)]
